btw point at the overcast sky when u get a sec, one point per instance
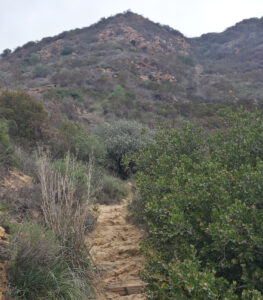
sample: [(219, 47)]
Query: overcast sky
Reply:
[(30, 20)]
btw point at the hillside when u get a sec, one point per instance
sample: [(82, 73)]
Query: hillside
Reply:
[(79, 116), (127, 66), (234, 58)]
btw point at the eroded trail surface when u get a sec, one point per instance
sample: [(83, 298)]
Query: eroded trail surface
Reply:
[(115, 250), (3, 262)]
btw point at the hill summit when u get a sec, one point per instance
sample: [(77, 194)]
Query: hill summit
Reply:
[(128, 66)]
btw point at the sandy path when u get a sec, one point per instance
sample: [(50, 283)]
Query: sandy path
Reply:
[(3, 262), (115, 249)]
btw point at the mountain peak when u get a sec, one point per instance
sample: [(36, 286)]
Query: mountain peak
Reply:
[(249, 22), (129, 59)]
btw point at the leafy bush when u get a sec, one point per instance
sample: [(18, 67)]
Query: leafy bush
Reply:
[(66, 77), (61, 94), (155, 86), (112, 191), (201, 199), (26, 116), (25, 161), (77, 172), (121, 138), (67, 50), (37, 270), (118, 93), (6, 150), (80, 142), (41, 71), (32, 59), (6, 52), (186, 60)]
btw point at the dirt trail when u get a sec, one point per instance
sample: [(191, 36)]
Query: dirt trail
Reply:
[(3, 262), (115, 249)]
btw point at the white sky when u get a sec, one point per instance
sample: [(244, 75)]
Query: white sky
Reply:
[(22, 21)]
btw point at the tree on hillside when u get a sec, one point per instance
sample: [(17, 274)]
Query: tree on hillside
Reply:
[(6, 150), (26, 116), (6, 52), (122, 137)]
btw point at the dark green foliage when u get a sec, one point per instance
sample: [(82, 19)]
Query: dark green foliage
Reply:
[(78, 173), (6, 52), (37, 270), (63, 94), (32, 59), (41, 71), (201, 199), (118, 93), (67, 50), (186, 60), (26, 116), (112, 191), (77, 139), (6, 150), (155, 86)]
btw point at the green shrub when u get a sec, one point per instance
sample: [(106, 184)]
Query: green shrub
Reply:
[(155, 86), (186, 60), (25, 161), (67, 50), (60, 94), (201, 199), (6, 52), (92, 60), (77, 140), (118, 93), (6, 150), (37, 269), (121, 138), (41, 71), (26, 116), (68, 77), (112, 191), (32, 59), (77, 171)]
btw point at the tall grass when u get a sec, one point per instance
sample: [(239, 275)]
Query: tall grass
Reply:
[(52, 262), (112, 190), (65, 214), (37, 268)]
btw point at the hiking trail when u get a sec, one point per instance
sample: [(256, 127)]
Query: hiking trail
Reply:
[(3, 262), (114, 247)]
